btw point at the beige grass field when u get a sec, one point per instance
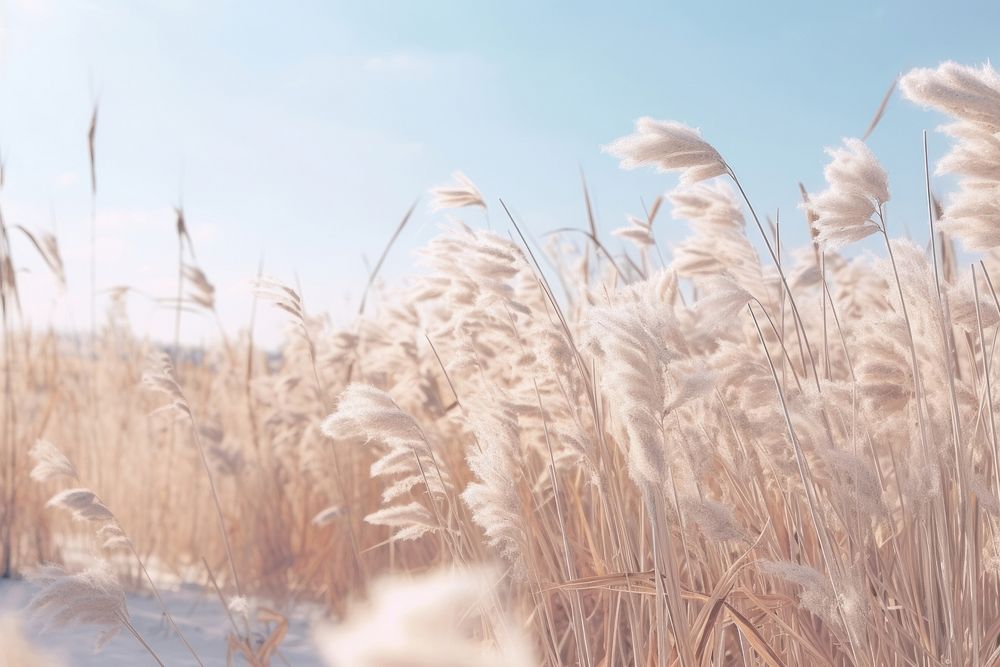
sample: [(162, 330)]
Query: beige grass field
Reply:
[(734, 453)]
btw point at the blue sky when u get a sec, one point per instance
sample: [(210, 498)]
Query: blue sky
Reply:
[(302, 131)]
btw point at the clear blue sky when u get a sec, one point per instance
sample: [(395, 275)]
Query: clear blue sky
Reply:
[(304, 130)]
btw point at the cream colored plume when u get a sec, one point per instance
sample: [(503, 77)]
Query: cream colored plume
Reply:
[(91, 597), (50, 462), (434, 620), (971, 95), (458, 195), (668, 146), (851, 207)]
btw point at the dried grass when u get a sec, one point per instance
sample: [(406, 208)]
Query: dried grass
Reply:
[(704, 458)]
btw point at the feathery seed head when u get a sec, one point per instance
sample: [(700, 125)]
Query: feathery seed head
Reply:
[(91, 597), (668, 146), (715, 520), (83, 504), (638, 232), (967, 93), (328, 515), (463, 193), (429, 621), (858, 187), (50, 462)]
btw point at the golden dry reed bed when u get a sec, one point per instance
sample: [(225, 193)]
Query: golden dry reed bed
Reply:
[(721, 457)]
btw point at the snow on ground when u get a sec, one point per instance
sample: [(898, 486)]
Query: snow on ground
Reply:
[(199, 615)]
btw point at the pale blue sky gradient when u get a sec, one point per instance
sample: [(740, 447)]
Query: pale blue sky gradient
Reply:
[(302, 131)]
